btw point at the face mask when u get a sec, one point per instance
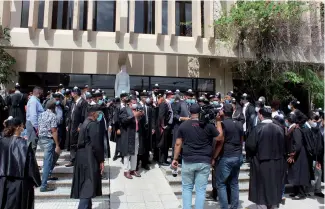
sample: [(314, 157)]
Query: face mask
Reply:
[(148, 100), (289, 107), (57, 102), (287, 124), (313, 124), (227, 102), (100, 102), (192, 101), (257, 109), (138, 100), (99, 117), (215, 103), (172, 101), (134, 106), (104, 97), (62, 91)]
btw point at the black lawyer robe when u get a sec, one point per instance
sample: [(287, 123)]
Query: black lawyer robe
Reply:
[(76, 118), (145, 130), (115, 123), (266, 147), (19, 174), (87, 182), (16, 103), (299, 173), (128, 131)]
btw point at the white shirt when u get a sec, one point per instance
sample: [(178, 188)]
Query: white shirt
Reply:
[(244, 112), (291, 126)]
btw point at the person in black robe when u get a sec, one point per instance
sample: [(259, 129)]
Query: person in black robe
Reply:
[(89, 162), (19, 172), (249, 114), (266, 148), (75, 120), (145, 131), (299, 174), (16, 103)]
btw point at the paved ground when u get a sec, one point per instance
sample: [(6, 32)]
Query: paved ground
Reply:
[(152, 191)]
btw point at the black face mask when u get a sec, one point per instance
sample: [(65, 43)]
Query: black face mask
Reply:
[(156, 93)]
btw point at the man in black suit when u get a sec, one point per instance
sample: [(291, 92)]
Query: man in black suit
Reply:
[(76, 119)]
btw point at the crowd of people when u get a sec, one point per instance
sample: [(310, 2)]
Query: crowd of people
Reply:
[(202, 130)]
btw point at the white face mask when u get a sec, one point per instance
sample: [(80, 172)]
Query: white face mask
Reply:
[(257, 109), (312, 124), (134, 106)]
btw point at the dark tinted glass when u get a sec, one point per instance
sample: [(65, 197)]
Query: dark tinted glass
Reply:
[(103, 81), (24, 14), (165, 17), (170, 83), (183, 18), (80, 81), (62, 15), (83, 11), (144, 17), (104, 16), (139, 83), (205, 85), (41, 14)]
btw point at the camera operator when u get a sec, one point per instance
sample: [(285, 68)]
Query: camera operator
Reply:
[(229, 153), (197, 143)]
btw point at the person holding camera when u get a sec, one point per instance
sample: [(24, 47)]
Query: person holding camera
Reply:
[(229, 153), (196, 139), (129, 117)]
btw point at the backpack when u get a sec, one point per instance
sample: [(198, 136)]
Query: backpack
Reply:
[(312, 142)]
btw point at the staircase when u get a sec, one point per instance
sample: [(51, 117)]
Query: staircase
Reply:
[(60, 197), (176, 182)]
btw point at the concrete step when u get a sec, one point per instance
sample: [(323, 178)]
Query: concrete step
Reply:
[(67, 182), (64, 155), (64, 193), (243, 177), (243, 189)]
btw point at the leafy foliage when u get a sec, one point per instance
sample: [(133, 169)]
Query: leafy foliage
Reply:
[(6, 60), (265, 28)]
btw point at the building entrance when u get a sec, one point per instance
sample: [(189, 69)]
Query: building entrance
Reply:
[(50, 81)]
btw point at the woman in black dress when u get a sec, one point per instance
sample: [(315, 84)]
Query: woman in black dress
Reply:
[(19, 172)]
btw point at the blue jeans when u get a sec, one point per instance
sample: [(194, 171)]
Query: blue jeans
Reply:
[(194, 174), (48, 146), (227, 170)]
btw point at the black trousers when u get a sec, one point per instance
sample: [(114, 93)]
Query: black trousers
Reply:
[(164, 144), (85, 204), (300, 191), (73, 151)]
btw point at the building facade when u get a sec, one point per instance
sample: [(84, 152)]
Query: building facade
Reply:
[(86, 42)]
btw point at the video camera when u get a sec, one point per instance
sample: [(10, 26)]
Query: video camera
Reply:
[(209, 113)]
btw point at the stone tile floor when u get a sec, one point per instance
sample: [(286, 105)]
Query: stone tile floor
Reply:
[(152, 191)]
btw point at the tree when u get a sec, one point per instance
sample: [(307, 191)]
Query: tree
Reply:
[(266, 29), (6, 60)]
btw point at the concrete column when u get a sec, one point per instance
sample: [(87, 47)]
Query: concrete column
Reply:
[(158, 20), (75, 21), (196, 20), (131, 20), (171, 20), (15, 17), (4, 14), (33, 17), (208, 20), (90, 15), (121, 20), (47, 24)]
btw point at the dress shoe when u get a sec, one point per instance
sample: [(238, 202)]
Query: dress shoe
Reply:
[(53, 178), (128, 175), (134, 173), (46, 189), (115, 158), (292, 195), (146, 167), (164, 164), (319, 194), (69, 165), (299, 197)]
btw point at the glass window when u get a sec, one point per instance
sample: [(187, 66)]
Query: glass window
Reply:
[(103, 81), (165, 17), (205, 85), (73, 80), (172, 83), (139, 83), (109, 93), (62, 15), (40, 14), (24, 14), (183, 18), (144, 17), (83, 11), (104, 16)]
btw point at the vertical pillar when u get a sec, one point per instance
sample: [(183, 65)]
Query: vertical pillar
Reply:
[(47, 25), (208, 21), (75, 22), (131, 19), (171, 20), (90, 15), (121, 20), (33, 17), (4, 14), (196, 21), (158, 20)]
